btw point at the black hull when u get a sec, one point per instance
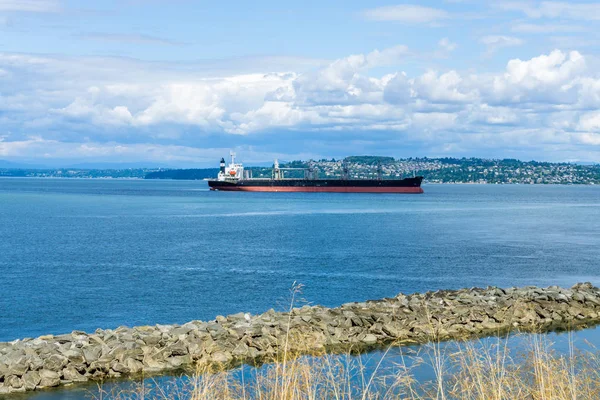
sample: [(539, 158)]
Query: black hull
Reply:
[(408, 185)]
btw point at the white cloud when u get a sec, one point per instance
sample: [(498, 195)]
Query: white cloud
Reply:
[(496, 42), (592, 139), (446, 45), (130, 38), (407, 13), (444, 88), (554, 9), (550, 79), (546, 28), (532, 103), (343, 81), (590, 122), (487, 114), (553, 69), (44, 149), (42, 6)]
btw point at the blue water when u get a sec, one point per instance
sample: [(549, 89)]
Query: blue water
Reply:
[(83, 254)]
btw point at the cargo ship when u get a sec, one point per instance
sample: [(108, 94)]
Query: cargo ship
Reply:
[(233, 177)]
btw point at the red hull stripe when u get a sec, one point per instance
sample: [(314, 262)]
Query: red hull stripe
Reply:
[(340, 189)]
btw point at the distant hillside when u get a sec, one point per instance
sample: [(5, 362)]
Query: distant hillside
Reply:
[(190, 174), (435, 170), (369, 160), (202, 173), (73, 173)]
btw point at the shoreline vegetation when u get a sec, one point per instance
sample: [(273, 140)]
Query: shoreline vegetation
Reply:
[(201, 348), (478, 370), (435, 170)]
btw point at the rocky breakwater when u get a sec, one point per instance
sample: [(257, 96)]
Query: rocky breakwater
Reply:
[(48, 361)]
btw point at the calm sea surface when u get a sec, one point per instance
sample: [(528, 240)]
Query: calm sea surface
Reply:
[(83, 254)]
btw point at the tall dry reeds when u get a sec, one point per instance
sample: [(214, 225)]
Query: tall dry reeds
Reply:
[(477, 370), (485, 369)]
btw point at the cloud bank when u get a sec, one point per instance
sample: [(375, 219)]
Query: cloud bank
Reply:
[(52, 107)]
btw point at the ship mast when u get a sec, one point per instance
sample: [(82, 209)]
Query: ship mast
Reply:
[(345, 170), (277, 175)]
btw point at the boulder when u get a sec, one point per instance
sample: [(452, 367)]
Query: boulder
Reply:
[(119, 367), (92, 353), (177, 349), (19, 367), (31, 380), (221, 357), (134, 365), (370, 339), (49, 378), (72, 374), (179, 361), (13, 381), (55, 362), (74, 355), (152, 340), (35, 363)]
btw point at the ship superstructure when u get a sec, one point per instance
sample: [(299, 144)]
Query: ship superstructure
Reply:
[(232, 172), (233, 177)]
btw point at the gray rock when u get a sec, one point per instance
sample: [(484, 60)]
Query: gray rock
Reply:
[(134, 366), (221, 357), (119, 367), (13, 381), (153, 364), (153, 339), (177, 349), (179, 361), (19, 367), (4, 389), (72, 374), (49, 378), (31, 380), (35, 363), (92, 353), (55, 362), (74, 355), (98, 367)]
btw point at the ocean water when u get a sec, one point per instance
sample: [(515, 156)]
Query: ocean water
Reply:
[(84, 254)]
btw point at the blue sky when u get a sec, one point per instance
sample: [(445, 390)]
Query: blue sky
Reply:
[(181, 82)]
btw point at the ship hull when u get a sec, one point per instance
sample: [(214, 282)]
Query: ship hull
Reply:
[(409, 185)]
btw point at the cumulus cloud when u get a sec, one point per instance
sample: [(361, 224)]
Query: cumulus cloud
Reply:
[(445, 88), (85, 104), (551, 79), (407, 13), (590, 122)]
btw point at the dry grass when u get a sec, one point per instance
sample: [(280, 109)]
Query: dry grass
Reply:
[(476, 370)]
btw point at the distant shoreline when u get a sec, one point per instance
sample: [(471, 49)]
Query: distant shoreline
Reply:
[(435, 170), (425, 182)]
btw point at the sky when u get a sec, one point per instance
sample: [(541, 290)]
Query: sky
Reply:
[(183, 82)]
